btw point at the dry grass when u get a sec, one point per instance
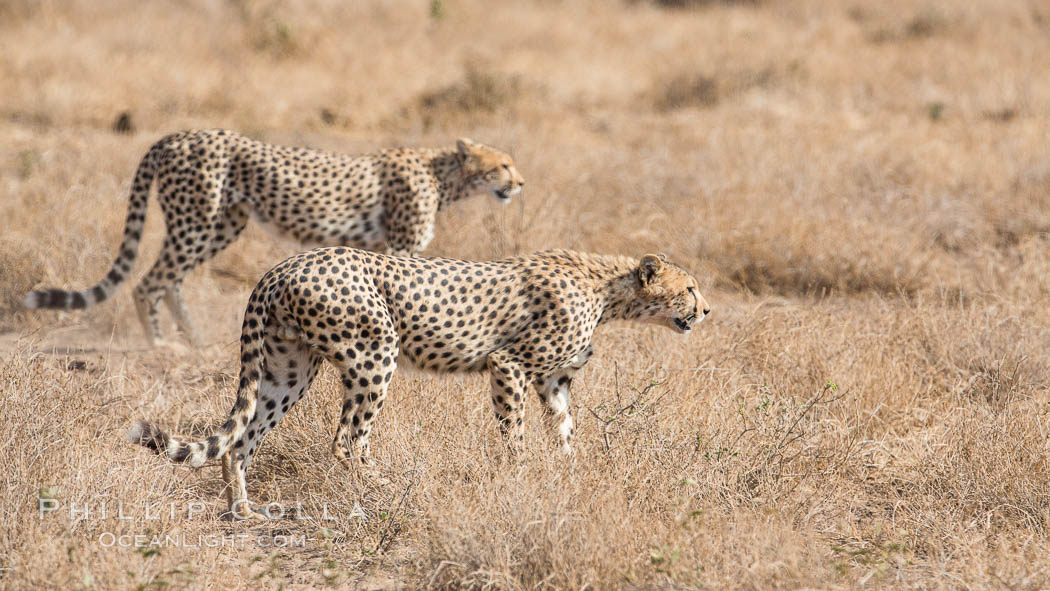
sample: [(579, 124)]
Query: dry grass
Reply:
[(863, 189)]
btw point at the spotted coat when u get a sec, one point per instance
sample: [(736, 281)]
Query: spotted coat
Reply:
[(526, 320), (210, 182)]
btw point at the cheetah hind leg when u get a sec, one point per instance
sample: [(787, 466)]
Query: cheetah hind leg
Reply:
[(357, 461), (364, 391), (177, 306), (363, 471), (159, 283), (233, 475), (508, 387), (226, 227), (146, 300), (290, 370), (175, 261)]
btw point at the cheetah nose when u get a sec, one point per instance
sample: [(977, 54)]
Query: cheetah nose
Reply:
[(707, 311)]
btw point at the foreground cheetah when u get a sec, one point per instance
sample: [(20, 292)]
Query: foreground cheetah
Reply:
[(527, 320), (210, 182)]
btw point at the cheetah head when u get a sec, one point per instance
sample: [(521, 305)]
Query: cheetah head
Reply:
[(670, 295), (487, 168)]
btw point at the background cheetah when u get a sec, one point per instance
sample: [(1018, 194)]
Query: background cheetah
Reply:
[(527, 320), (210, 182)]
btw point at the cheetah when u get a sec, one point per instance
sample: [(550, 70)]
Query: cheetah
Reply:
[(209, 182), (525, 320)]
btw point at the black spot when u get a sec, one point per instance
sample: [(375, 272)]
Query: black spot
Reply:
[(213, 446), (181, 453)]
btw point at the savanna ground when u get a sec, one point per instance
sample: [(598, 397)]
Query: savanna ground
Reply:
[(862, 188)]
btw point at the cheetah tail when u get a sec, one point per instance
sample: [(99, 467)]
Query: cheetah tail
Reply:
[(74, 300), (196, 453)]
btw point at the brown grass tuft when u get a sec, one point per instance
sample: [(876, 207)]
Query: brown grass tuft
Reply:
[(479, 94), (702, 3), (926, 22), (763, 265), (699, 90)]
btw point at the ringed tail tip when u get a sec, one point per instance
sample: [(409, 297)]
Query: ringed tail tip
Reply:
[(145, 434), (32, 300)]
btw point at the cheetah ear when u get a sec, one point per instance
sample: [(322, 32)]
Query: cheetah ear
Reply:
[(468, 149), (649, 267), (466, 146)]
